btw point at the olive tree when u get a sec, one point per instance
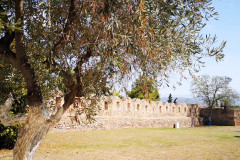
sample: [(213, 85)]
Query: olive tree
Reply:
[(80, 46), (212, 90)]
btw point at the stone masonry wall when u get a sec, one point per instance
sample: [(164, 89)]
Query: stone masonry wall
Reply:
[(125, 113), (237, 117), (135, 113), (221, 116), (114, 106)]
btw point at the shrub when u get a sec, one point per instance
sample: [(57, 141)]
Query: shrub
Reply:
[(8, 136)]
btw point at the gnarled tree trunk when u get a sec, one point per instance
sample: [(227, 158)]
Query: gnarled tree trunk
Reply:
[(36, 123), (31, 135), (34, 131)]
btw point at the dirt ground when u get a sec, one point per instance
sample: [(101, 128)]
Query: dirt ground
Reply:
[(5, 154), (197, 143)]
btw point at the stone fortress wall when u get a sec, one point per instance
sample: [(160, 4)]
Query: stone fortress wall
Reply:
[(127, 107), (115, 113), (125, 113), (224, 117)]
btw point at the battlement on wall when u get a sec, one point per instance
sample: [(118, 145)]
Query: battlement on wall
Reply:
[(114, 106), (127, 107), (115, 112)]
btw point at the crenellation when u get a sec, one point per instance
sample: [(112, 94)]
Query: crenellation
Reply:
[(115, 112), (120, 113)]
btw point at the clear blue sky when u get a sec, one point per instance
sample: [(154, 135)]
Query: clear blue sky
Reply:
[(226, 28)]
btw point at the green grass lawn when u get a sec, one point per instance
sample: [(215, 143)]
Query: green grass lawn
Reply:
[(151, 143), (147, 143)]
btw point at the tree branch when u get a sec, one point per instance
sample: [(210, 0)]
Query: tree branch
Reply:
[(68, 27), (75, 89), (78, 71), (7, 119), (19, 59), (68, 100), (19, 36)]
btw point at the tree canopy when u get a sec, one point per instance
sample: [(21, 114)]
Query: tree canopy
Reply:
[(143, 88), (214, 90), (92, 40), (80, 46)]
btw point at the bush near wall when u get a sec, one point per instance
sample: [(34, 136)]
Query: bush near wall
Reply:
[(8, 136)]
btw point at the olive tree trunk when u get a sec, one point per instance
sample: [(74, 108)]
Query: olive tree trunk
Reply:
[(31, 135), (34, 131), (36, 123)]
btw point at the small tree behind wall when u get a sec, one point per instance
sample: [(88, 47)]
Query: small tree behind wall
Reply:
[(169, 98), (143, 88)]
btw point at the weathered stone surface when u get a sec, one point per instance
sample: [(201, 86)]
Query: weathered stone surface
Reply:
[(237, 117), (220, 116), (107, 122), (117, 113)]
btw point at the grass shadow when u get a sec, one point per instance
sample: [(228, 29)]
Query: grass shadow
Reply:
[(237, 136)]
